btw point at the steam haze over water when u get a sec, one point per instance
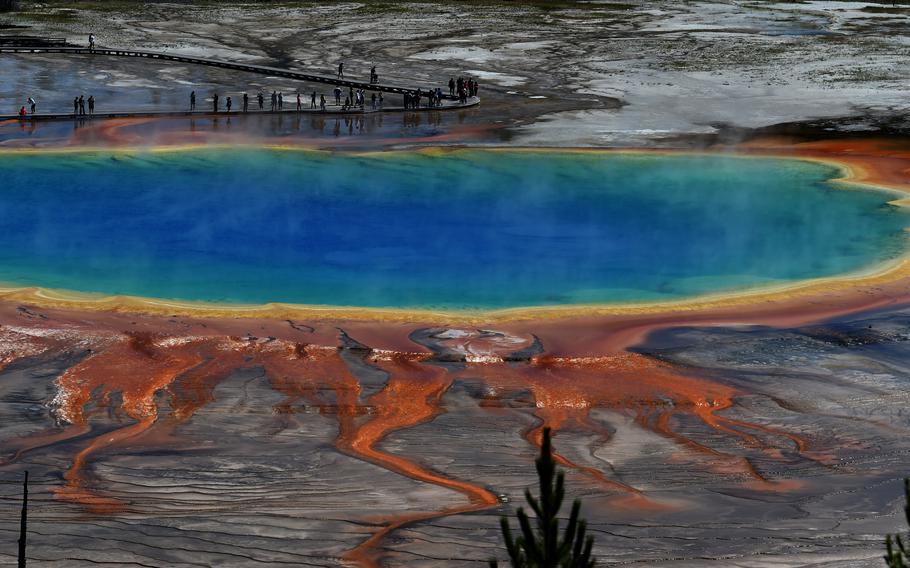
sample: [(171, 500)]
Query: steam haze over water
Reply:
[(467, 229)]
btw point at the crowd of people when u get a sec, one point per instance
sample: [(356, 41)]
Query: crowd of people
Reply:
[(433, 98), (353, 99), (463, 88), (459, 88)]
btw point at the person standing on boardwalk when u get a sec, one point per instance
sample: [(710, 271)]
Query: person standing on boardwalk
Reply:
[(313, 100), (82, 105), (32, 104), (246, 102), (193, 100), (322, 103), (337, 96), (215, 102), (91, 42), (299, 106), (228, 103), (451, 86), (274, 101), (75, 106), (91, 104), (261, 98), (341, 70), (280, 101)]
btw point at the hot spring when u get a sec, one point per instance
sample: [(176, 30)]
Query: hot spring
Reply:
[(467, 229)]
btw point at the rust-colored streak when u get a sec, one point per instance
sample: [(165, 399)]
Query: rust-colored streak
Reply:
[(565, 389), (196, 388), (304, 373), (137, 367), (309, 373), (412, 396)]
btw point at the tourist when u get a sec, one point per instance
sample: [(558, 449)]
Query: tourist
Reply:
[(274, 101), (91, 104), (75, 106), (246, 102), (91, 42), (451, 86), (32, 104), (341, 70), (337, 96), (351, 94), (299, 106), (261, 98), (228, 103), (380, 99), (193, 100), (215, 101), (280, 101), (374, 78), (459, 85), (322, 103), (22, 113), (347, 103), (313, 100), (82, 105)]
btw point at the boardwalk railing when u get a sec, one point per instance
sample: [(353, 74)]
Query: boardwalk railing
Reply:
[(261, 69)]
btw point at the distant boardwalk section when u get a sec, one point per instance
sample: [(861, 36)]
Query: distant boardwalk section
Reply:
[(54, 46)]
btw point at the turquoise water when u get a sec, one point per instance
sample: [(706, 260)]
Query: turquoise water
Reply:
[(469, 229)]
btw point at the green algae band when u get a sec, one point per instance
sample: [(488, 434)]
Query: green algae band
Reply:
[(459, 230)]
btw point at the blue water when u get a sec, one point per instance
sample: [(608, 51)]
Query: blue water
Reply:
[(469, 229)]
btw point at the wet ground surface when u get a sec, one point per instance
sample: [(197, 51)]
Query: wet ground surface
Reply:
[(699, 447), (716, 446), (555, 75)]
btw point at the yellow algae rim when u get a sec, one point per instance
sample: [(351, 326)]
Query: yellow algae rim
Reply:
[(877, 275)]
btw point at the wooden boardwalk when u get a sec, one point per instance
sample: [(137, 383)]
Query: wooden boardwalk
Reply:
[(261, 69), (208, 113)]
